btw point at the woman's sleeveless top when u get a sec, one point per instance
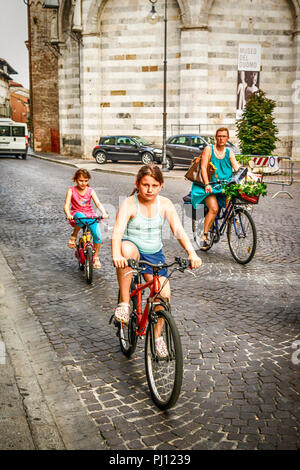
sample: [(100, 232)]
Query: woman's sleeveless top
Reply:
[(145, 232), (224, 168)]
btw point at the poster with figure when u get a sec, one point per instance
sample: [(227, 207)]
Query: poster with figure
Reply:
[(249, 59)]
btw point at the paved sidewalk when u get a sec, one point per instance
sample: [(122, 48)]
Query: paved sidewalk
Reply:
[(129, 168), (39, 407)]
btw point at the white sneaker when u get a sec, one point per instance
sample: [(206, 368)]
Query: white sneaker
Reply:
[(122, 313), (161, 347)]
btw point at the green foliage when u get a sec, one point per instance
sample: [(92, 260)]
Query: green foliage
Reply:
[(243, 159), (252, 188), (257, 131)]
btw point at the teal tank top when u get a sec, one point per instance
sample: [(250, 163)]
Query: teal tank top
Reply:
[(223, 165), (145, 232)]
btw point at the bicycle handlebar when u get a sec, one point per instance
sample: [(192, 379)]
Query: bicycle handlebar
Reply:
[(137, 264), (98, 217)]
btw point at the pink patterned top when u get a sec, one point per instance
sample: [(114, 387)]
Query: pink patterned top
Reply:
[(81, 203)]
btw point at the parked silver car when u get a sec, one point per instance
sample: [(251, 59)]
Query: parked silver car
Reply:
[(182, 148)]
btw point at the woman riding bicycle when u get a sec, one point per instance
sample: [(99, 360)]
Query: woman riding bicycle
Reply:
[(137, 234), (79, 197), (211, 195)]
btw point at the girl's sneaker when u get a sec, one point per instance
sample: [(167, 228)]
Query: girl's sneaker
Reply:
[(161, 347), (122, 313)]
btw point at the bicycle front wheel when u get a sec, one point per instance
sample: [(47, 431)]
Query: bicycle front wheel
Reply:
[(241, 236), (89, 265), (164, 375), (127, 334)]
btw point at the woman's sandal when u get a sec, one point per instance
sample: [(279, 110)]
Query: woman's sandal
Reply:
[(72, 242), (205, 243), (96, 263)]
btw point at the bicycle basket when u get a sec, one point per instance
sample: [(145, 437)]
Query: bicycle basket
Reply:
[(245, 198)]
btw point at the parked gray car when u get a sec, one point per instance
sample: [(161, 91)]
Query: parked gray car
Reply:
[(182, 148)]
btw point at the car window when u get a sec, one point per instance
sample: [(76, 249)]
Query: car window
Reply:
[(4, 131), (197, 142), (18, 131), (108, 141), (180, 140), (210, 139), (125, 141)]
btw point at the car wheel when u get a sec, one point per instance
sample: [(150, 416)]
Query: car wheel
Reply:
[(100, 158), (147, 158), (170, 163)]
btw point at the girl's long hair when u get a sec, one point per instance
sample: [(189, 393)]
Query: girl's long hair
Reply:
[(148, 170)]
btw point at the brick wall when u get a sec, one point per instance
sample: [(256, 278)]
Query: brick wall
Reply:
[(44, 77)]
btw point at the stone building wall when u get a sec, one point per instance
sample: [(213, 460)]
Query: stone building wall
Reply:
[(111, 67), (44, 77)]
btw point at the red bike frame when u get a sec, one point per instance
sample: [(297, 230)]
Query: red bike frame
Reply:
[(142, 317)]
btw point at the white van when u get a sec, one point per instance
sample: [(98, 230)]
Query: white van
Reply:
[(13, 138)]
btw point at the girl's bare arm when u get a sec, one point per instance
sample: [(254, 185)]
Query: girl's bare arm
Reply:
[(122, 218), (99, 205), (179, 232), (67, 204)]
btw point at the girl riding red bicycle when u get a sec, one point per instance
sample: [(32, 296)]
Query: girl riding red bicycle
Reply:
[(137, 234)]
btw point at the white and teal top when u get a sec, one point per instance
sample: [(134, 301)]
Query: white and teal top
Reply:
[(145, 232)]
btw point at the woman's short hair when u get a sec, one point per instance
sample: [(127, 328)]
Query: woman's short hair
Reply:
[(221, 129)]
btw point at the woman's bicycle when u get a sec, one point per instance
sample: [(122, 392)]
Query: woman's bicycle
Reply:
[(164, 374), (238, 223), (84, 250)]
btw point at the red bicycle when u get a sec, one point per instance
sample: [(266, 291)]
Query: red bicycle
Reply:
[(84, 251), (164, 374)]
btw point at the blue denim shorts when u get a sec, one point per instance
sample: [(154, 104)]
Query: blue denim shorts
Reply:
[(154, 258)]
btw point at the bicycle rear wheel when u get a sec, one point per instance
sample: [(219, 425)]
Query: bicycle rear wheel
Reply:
[(127, 334), (164, 375), (89, 270), (241, 236)]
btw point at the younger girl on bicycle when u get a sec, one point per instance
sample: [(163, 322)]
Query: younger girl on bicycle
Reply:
[(79, 197), (137, 234)]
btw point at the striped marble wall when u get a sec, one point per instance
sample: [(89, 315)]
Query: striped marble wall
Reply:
[(120, 85)]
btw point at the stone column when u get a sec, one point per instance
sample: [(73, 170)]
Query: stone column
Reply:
[(90, 82), (296, 95), (77, 20), (193, 77)]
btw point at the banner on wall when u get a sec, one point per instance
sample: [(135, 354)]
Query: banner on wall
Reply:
[(249, 61)]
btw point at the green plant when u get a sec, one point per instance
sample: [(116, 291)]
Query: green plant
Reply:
[(252, 188), (257, 131), (243, 159)]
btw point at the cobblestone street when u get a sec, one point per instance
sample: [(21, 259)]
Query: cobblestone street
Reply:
[(238, 324)]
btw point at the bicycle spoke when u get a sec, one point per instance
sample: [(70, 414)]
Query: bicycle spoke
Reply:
[(164, 375), (241, 236)]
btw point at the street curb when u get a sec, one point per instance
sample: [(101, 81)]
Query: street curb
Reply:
[(119, 172), (52, 160), (102, 170), (54, 413)]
